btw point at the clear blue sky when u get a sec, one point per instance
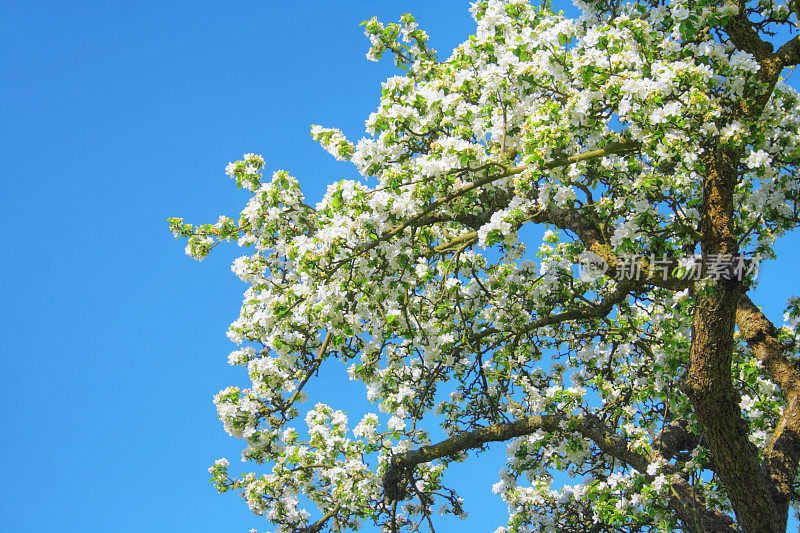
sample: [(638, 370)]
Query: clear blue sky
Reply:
[(117, 115)]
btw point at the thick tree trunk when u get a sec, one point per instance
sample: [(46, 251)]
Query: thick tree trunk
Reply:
[(709, 381), (716, 404)]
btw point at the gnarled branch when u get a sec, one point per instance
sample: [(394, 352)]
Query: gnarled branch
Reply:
[(696, 516)]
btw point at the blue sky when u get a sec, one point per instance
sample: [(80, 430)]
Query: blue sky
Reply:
[(118, 115)]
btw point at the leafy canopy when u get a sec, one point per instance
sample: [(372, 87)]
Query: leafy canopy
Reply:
[(639, 135)]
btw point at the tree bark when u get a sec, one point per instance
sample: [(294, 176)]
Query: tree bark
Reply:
[(709, 384)]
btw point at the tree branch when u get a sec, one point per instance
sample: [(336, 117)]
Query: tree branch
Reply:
[(745, 36), (592, 238), (693, 512), (789, 52), (317, 526), (598, 310), (609, 149), (782, 456)]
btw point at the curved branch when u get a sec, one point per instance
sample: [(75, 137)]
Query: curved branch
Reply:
[(609, 149), (592, 238), (598, 310), (782, 455), (317, 526), (694, 514)]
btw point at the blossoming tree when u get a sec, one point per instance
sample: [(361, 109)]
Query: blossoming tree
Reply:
[(657, 140)]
